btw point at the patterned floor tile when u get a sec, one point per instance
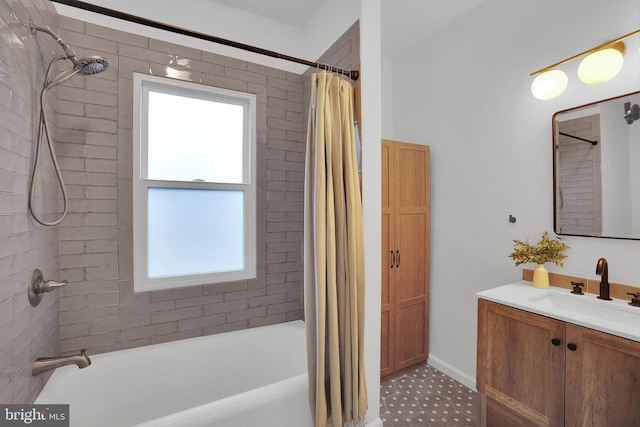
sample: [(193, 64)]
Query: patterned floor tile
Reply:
[(387, 389), (465, 409), (443, 386), (426, 397), (402, 407), (410, 386), (421, 373)]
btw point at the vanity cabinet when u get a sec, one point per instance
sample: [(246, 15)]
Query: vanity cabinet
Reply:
[(602, 379), (533, 370), (405, 256)]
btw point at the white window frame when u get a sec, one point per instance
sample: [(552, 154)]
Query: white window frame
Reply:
[(142, 84)]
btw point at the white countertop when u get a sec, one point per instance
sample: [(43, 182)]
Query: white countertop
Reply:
[(614, 317)]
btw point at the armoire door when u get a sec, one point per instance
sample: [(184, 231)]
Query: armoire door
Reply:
[(388, 264), (405, 257)]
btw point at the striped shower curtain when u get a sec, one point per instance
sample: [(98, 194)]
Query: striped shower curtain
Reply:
[(333, 258)]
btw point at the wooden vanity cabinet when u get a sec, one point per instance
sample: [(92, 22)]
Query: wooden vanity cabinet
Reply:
[(405, 257), (536, 371), (602, 380), (520, 373)]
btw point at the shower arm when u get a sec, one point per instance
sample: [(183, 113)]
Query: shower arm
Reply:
[(68, 52)]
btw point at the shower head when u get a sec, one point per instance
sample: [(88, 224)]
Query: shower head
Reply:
[(91, 65), (85, 67)]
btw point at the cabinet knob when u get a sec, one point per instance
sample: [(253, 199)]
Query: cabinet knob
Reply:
[(571, 346), (393, 259), (555, 342)]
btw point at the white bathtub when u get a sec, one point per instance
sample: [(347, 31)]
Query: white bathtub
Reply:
[(254, 377)]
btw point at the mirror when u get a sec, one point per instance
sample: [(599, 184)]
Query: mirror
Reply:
[(596, 169)]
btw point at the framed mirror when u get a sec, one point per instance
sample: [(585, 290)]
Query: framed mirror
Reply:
[(596, 169)]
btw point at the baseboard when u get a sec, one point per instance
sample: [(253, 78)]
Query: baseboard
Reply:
[(375, 423), (454, 373)]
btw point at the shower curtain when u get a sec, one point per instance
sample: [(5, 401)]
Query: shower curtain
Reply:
[(333, 258)]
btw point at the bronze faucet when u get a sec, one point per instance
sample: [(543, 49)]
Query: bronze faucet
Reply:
[(602, 269), (44, 364)]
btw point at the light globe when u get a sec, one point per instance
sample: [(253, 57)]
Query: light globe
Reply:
[(549, 84), (602, 65)]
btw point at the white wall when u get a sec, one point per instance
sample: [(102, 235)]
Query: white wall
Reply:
[(371, 195), (635, 176), (331, 20), (616, 170), (387, 98), (466, 93)]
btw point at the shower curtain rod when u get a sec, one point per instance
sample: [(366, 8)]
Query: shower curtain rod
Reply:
[(352, 74), (577, 137)]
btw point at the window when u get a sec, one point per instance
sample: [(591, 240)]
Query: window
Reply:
[(193, 184)]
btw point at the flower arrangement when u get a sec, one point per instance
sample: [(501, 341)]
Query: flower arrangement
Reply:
[(546, 250)]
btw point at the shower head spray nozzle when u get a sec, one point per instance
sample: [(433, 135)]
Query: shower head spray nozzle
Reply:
[(91, 65)]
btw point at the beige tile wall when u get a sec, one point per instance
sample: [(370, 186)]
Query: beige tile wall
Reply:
[(25, 332), (99, 309), (579, 196)]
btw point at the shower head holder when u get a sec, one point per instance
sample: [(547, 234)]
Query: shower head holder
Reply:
[(68, 52), (84, 66)]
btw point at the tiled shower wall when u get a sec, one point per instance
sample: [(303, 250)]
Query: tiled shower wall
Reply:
[(98, 309), (579, 184), (25, 332)]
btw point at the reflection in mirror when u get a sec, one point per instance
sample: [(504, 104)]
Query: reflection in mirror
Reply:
[(597, 169)]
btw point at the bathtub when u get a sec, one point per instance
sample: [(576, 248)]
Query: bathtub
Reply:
[(253, 377)]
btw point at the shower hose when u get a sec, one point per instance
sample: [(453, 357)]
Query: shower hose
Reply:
[(43, 128)]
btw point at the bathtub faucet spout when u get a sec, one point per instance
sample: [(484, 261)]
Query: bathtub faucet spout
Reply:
[(44, 364)]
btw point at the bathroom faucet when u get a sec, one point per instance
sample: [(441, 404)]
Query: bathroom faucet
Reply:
[(602, 269), (44, 364)]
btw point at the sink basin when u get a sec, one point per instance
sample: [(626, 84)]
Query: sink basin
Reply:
[(589, 306)]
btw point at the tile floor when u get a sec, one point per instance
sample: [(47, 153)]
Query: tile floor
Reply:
[(428, 398)]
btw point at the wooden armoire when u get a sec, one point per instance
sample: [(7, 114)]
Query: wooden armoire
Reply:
[(405, 257)]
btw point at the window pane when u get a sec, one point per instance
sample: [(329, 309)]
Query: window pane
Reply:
[(194, 231), (194, 139)]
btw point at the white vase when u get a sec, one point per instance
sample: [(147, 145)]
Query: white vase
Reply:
[(540, 277)]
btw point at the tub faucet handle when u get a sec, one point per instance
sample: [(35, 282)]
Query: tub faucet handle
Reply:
[(37, 287), (48, 286)]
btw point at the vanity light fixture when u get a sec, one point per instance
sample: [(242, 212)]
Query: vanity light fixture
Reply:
[(601, 64)]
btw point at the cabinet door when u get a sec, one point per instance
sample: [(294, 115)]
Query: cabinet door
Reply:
[(411, 236), (520, 370), (388, 263), (603, 379)]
